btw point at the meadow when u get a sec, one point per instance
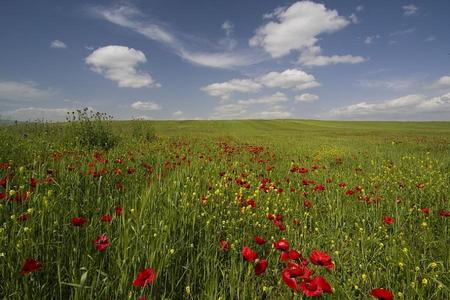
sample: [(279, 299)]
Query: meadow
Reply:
[(251, 209)]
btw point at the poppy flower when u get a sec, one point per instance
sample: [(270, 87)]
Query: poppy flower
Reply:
[(425, 210), (382, 294), (142, 298), (78, 221), (224, 245), (2, 195), (289, 280), (259, 240), (321, 259), (118, 211), (315, 287), (23, 217), (284, 256), (30, 265), (444, 213), (297, 270), (106, 218), (260, 267), (281, 245), (33, 182), (145, 277), (248, 254), (101, 242), (388, 220), (294, 254), (307, 204)]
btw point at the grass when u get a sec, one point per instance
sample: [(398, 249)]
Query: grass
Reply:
[(187, 190)]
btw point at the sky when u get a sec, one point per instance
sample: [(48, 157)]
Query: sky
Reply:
[(227, 59)]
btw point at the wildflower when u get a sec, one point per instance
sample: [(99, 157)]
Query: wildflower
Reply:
[(101, 242), (259, 240), (315, 287), (260, 267), (281, 245), (322, 259), (145, 277), (106, 218), (388, 220), (382, 294), (118, 211), (224, 245), (248, 254), (30, 266), (78, 221)]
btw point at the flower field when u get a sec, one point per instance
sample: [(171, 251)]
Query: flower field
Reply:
[(227, 210)]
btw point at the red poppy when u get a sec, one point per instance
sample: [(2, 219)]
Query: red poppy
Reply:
[(23, 217), (251, 202), (106, 218), (294, 254), (321, 259), (118, 211), (298, 270), (281, 245), (224, 245), (425, 210), (142, 298), (101, 242), (33, 182), (444, 213), (78, 221), (2, 195), (307, 204), (145, 277), (248, 254), (315, 287), (259, 240), (382, 294), (388, 220), (284, 256), (289, 280), (30, 265), (260, 267)]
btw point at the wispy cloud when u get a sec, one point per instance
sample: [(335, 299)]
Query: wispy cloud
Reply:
[(409, 10), (58, 44), (23, 91), (132, 18)]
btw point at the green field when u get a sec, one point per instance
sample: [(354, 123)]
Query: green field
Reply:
[(374, 196)]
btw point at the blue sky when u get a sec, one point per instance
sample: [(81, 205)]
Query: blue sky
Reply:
[(177, 59)]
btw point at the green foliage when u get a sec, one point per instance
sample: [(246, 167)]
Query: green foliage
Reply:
[(92, 130), (143, 130)]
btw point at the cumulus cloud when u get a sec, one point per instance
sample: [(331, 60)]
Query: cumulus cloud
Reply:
[(410, 106), (297, 27), (119, 64), (177, 114), (58, 44), (388, 84), (444, 81), (312, 57), (146, 105), (132, 18), (409, 10), (270, 100), (225, 89), (290, 78), (306, 98), (22, 91), (36, 113)]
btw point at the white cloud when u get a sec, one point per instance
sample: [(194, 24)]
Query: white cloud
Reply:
[(389, 84), (132, 18), (58, 44), (312, 57), (353, 18), (306, 98), (146, 105), (119, 64), (269, 100), (410, 10), (402, 32), (442, 82), (410, 106), (22, 91), (290, 78), (225, 89), (36, 113), (228, 27), (296, 27), (177, 114), (359, 8), (371, 39), (430, 38)]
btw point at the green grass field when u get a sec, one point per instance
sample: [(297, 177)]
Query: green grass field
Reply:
[(373, 196)]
